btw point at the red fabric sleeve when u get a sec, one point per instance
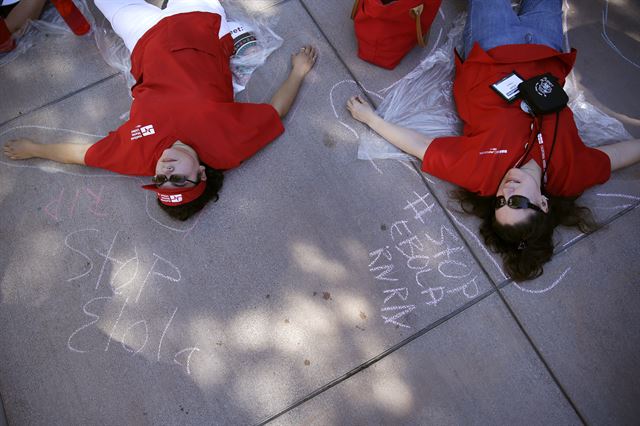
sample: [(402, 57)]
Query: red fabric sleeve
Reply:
[(574, 167), (455, 159), (119, 153), (98, 154), (587, 167)]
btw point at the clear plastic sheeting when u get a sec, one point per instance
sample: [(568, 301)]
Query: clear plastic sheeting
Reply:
[(423, 101), (594, 126), (255, 53), (50, 23), (112, 49)]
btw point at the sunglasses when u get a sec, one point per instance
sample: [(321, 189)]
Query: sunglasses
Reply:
[(516, 202), (176, 179)]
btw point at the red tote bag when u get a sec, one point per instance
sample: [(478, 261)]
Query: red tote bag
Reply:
[(386, 33)]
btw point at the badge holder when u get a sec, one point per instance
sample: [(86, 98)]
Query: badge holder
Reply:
[(507, 87)]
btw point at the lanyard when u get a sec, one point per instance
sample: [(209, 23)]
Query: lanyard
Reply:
[(536, 133), (544, 161)]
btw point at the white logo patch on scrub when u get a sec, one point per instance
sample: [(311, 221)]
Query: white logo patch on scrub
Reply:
[(494, 151), (140, 131), (544, 86), (177, 198), (147, 130)]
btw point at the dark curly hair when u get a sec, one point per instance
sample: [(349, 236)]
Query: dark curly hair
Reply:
[(185, 211), (524, 261)]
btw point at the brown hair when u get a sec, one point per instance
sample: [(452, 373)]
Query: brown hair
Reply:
[(525, 246), (185, 211)]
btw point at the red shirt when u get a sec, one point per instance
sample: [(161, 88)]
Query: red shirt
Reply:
[(495, 132), (183, 92)]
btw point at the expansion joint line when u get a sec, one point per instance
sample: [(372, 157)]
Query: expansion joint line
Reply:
[(382, 355), (55, 101), (499, 287), (542, 359)]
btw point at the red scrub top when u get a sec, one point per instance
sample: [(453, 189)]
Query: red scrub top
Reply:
[(183, 92), (495, 132)]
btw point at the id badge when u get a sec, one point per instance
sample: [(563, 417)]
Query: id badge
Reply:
[(507, 87)]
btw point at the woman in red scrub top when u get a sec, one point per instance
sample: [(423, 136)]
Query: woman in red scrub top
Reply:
[(184, 126), (520, 194)]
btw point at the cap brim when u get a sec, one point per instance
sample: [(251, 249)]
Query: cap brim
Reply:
[(177, 196)]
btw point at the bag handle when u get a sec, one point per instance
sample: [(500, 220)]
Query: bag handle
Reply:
[(416, 12), (354, 9)]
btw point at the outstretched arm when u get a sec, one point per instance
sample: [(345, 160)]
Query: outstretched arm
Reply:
[(622, 154), (407, 140), (69, 153), (301, 65)]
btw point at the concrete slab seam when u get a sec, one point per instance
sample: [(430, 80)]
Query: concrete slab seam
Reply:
[(55, 101), (606, 223), (3, 415), (565, 247), (382, 355), (574, 241), (542, 359)]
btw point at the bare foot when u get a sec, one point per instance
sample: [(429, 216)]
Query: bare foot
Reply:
[(303, 60), (19, 149)]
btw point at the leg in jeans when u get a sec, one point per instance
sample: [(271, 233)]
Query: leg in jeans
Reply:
[(543, 18), (493, 23), (490, 23), (130, 19)]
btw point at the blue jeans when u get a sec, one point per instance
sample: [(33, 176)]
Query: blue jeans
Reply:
[(493, 23)]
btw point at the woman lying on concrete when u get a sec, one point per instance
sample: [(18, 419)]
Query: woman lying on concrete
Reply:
[(184, 127), (521, 173)]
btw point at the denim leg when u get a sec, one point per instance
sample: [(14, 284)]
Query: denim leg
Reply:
[(493, 23), (490, 23), (543, 21)]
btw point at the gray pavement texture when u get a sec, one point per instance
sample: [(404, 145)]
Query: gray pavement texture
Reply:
[(320, 289)]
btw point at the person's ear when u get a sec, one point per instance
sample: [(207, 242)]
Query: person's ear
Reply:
[(203, 173), (544, 204)]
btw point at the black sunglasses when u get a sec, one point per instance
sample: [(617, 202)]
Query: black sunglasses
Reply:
[(177, 179), (516, 202)]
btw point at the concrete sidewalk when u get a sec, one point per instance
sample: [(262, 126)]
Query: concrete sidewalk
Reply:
[(320, 289)]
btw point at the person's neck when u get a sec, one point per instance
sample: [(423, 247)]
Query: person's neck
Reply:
[(185, 147), (532, 168)]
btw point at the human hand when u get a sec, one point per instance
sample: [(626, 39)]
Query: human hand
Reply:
[(303, 61), (361, 110), (19, 149)]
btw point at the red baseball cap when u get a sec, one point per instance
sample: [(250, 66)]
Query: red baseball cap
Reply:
[(177, 196)]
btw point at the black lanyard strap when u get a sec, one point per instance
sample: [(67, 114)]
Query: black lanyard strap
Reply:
[(553, 145)]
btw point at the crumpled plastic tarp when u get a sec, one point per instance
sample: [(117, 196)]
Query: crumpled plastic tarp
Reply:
[(423, 101), (595, 127), (267, 41), (115, 53)]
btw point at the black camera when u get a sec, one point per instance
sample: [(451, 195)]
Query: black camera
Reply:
[(543, 94)]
